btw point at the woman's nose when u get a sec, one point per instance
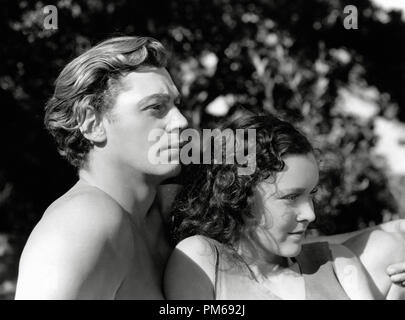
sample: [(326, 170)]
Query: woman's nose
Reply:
[(306, 213)]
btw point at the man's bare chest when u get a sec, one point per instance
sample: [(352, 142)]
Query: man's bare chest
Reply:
[(146, 269)]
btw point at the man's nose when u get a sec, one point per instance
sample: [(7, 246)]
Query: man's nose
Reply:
[(306, 213), (176, 120)]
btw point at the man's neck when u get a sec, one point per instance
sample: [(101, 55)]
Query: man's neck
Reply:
[(134, 191)]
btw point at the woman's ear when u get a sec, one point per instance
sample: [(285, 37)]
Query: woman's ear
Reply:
[(92, 127)]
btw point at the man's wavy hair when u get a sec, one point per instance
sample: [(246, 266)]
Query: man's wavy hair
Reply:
[(216, 202), (92, 81)]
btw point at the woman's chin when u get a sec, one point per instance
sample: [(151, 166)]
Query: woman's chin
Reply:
[(292, 250)]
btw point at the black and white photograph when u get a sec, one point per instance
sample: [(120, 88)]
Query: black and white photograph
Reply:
[(202, 150)]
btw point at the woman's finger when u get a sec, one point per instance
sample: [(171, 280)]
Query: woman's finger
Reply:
[(396, 268), (398, 278), (401, 226)]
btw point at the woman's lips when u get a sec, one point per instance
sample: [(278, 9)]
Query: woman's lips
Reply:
[(297, 234)]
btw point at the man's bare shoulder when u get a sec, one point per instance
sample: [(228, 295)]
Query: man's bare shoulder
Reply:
[(85, 198), (82, 239), (91, 210), (85, 206)]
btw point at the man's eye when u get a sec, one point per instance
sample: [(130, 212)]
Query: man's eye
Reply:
[(154, 107), (157, 109)]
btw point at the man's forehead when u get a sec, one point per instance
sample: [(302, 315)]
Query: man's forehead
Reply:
[(149, 81)]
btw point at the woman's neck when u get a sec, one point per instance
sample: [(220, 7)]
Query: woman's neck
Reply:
[(261, 261)]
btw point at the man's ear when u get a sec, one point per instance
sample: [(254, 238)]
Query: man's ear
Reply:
[(92, 127)]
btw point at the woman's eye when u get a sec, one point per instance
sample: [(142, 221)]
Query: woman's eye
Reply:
[(313, 192), (291, 197)]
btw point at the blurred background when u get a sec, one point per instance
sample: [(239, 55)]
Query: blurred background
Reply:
[(344, 87)]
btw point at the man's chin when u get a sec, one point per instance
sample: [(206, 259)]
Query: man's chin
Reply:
[(175, 171), (171, 170)]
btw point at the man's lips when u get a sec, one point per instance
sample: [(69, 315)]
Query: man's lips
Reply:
[(179, 145), (297, 232)]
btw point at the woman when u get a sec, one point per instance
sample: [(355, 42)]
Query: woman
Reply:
[(241, 236)]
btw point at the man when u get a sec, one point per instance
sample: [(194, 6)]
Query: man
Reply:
[(106, 237)]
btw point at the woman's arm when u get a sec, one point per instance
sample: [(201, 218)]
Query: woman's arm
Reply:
[(396, 271), (190, 272), (352, 275), (377, 250), (396, 226)]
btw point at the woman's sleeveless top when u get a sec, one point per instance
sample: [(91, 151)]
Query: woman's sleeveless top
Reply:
[(315, 261)]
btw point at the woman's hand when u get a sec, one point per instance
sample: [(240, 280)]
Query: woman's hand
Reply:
[(395, 226), (396, 271)]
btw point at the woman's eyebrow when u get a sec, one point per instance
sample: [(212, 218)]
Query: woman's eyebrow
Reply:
[(295, 190), (292, 190)]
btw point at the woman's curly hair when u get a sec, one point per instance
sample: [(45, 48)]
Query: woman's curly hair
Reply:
[(92, 81), (216, 201)]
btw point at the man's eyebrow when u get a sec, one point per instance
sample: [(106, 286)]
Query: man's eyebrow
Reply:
[(155, 96), (159, 96)]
